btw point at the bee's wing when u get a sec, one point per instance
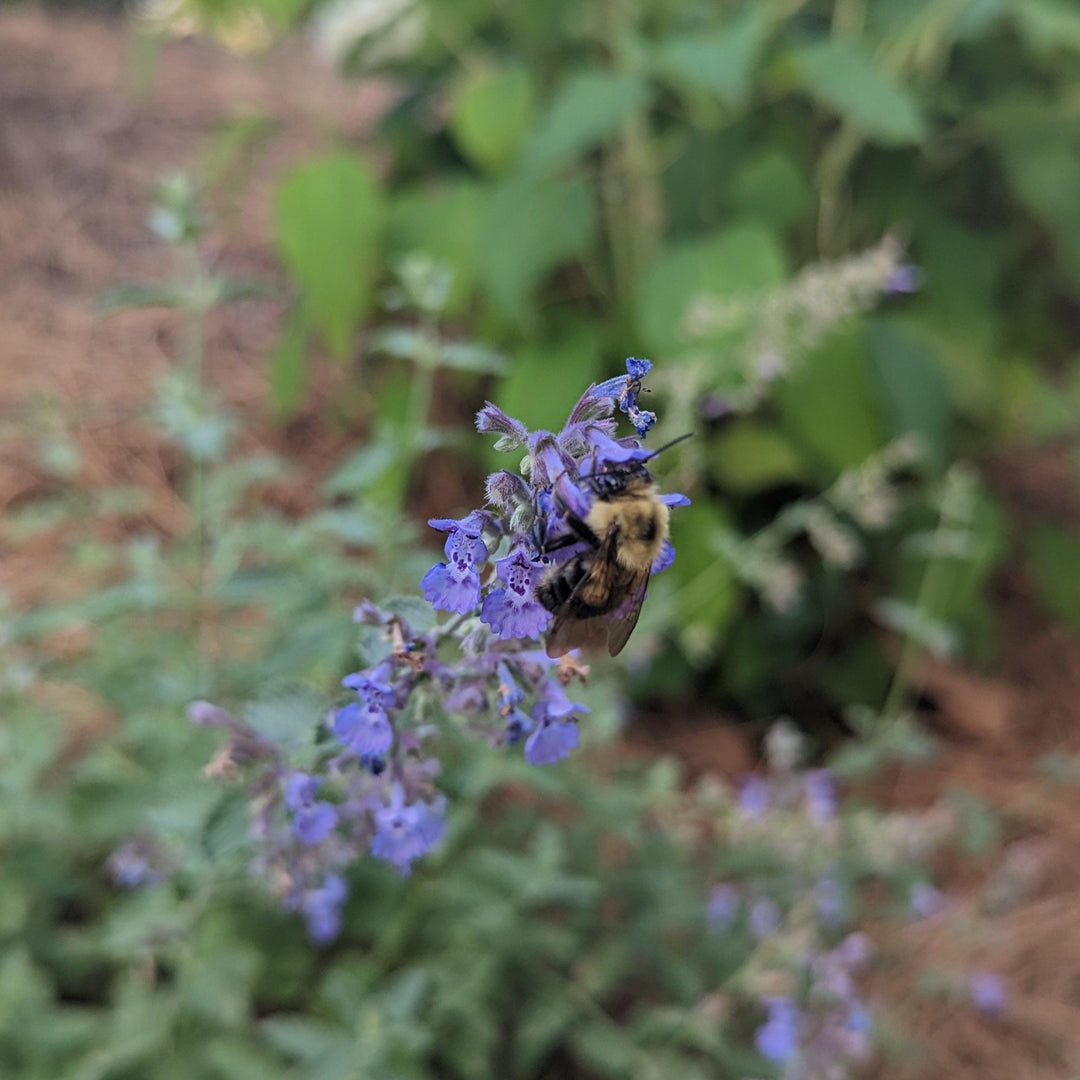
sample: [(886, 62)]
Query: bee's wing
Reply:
[(622, 625), (568, 629), (568, 633)]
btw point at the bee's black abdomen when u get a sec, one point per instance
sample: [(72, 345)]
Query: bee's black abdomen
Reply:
[(557, 586)]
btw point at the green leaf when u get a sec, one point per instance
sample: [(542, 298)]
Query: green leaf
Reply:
[(587, 109), (721, 63), (770, 187), (491, 114), (839, 75), (913, 386), (604, 1049), (739, 260), (1043, 168), (1053, 562), (829, 403), (289, 366), (1047, 25), (288, 717), (562, 367), (538, 226), (912, 622), (327, 220), (444, 222), (125, 297), (747, 457)]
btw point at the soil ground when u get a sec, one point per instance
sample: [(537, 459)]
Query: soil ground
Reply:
[(79, 153)]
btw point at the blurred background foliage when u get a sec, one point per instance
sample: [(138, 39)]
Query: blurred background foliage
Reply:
[(847, 234), (634, 158)]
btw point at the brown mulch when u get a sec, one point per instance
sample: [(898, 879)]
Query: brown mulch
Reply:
[(78, 157)]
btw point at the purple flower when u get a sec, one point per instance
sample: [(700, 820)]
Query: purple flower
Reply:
[(778, 1038), (405, 831), (513, 612), (492, 420), (313, 819), (764, 917), (510, 694), (517, 726), (855, 949), (455, 584), (754, 797), (820, 792), (988, 993), (624, 389), (723, 906), (665, 559), (364, 728), (321, 909), (132, 865), (551, 741), (906, 278), (925, 901), (830, 901), (611, 452)]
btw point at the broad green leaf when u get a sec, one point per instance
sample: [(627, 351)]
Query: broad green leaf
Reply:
[(289, 366), (288, 717), (747, 456), (1053, 562), (770, 188), (740, 260), (561, 368), (830, 404), (328, 216), (1047, 25), (839, 75), (445, 223), (491, 114), (587, 109), (534, 226), (722, 63), (913, 386), (1043, 168)]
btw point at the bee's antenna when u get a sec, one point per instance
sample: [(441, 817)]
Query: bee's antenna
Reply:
[(669, 445)]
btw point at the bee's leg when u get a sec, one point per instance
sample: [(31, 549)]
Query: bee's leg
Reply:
[(581, 530)]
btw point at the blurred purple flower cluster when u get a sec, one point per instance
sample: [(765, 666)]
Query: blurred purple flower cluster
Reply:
[(483, 669)]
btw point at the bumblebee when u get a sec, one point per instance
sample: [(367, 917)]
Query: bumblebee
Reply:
[(596, 596)]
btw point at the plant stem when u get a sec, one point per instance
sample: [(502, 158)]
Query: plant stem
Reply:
[(194, 353), (953, 514)]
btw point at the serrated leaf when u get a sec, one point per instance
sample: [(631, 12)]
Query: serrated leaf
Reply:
[(328, 216), (588, 108), (839, 75)]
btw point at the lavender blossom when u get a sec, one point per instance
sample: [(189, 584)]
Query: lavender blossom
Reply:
[(404, 831), (778, 1038), (480, 671), (988, 993), (313, 819)]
